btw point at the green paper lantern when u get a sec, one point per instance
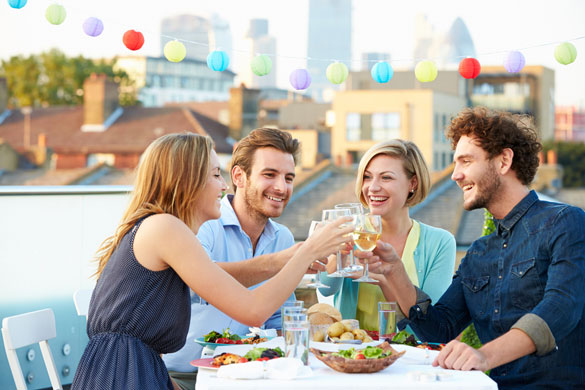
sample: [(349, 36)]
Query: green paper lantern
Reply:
[(337, 73), (565, 53), (425, 71), (261, 65), (175, 51), (55, 14)]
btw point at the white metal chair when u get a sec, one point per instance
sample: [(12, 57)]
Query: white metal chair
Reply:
[(81, 299), (26, 329)]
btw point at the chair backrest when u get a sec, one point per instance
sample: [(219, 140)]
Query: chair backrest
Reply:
[(26, 329), (81, 299)]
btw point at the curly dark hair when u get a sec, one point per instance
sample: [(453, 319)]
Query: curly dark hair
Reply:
[(497, 130)]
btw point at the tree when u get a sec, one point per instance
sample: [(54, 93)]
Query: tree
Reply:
[(52, 78), (571, 156)]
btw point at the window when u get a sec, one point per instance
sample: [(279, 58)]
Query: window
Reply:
[(352, 127), (385, 125)]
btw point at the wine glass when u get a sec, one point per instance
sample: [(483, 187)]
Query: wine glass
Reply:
[(317, 283), (329, 216), (367, 231), (354, 209)]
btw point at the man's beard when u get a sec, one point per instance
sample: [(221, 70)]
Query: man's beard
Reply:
[(253, 200), (486, 190)]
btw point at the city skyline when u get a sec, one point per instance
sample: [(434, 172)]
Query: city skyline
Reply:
[(377, 27)]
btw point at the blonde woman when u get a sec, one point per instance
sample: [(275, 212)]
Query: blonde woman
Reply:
[(392, 177), (140, 306)]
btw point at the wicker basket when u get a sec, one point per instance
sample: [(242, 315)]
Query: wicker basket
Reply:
[(353, 366)]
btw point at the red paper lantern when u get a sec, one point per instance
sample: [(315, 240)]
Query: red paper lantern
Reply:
[(469, 68), (133, 39)]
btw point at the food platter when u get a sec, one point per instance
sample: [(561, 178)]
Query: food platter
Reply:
[(201, 341), (204, 363)]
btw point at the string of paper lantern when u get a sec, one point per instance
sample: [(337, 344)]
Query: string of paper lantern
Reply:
[(425, 71)]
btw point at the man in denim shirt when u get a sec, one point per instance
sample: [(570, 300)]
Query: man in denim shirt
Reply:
[(523, 286)]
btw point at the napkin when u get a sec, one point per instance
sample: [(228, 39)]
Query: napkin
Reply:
[(281, 368), (262, 332), (286, 368), (250, 370)]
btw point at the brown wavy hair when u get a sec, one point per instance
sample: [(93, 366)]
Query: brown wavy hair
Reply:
[(496, 131), (262, 137), (170, 177)]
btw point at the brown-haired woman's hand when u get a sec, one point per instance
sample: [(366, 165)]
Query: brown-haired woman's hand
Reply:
[(329, 237)]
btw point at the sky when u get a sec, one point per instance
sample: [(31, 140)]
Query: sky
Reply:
[(496, 27)]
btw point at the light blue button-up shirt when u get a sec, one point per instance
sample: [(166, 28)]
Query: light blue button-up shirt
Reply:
[(224, 240)]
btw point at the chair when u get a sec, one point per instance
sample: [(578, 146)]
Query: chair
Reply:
[(26, 329), (81, 299)]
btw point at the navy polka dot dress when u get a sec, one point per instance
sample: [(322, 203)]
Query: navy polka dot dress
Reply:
[(134, 316)]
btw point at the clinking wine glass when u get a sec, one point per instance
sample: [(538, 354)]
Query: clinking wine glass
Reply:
[(367, 231), (329, 216), (354, 209), (317, 283)]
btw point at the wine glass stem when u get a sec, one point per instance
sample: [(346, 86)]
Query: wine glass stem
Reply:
[(339, 265), (351, 258), (366, 271)]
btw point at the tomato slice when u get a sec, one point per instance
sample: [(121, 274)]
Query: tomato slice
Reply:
[(360, 356)]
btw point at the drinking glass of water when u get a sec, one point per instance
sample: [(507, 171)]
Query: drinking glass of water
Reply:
[(296, 340), (386, 319)]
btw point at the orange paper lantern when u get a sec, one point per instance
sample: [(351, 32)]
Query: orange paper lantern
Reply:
[(469, 68)]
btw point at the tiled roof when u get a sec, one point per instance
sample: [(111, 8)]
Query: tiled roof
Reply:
[(132, 132)]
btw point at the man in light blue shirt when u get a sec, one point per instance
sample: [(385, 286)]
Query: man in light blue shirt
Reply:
[(244, 241)]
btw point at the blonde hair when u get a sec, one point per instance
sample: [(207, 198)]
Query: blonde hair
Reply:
[(412, 161), (170, 177)]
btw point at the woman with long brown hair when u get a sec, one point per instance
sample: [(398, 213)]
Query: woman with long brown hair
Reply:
[(140, 305)]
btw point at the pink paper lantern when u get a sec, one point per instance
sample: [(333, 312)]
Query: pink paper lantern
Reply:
[(93, 27), (514, 62), (300, 79)]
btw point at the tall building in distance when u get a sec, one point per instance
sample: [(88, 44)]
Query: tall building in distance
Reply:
[(445, 48), (208, 34), (259, 42), (329, 37)]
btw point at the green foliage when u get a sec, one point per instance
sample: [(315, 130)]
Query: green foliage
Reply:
[(571, 156), (52, 78)]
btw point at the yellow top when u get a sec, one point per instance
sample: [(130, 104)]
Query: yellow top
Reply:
[(370, 294)]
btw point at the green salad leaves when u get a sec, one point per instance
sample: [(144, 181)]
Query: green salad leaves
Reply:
[(368, 352)]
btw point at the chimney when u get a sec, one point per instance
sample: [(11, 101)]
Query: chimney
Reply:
[(3, 95), (551, 157), (100, 103)]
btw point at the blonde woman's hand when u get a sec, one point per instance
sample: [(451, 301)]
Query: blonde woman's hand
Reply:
[(382, 260)]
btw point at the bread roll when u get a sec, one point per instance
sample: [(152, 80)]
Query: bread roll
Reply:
[(320, 319), (326, 309)]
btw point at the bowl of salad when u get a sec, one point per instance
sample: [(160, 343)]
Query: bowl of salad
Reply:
[(354, 361)]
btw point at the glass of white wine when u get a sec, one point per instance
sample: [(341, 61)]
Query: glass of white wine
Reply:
[(354, 209), (367, 231), (331, 215)]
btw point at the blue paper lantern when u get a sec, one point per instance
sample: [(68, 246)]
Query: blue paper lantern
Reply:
[(382, 72), (17, 4), (514, 62), (93, 27), (218, 60), (300, 79)]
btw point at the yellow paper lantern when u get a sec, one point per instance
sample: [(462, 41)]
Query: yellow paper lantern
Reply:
[(337, 73), (565, 53), (175, 51), (55, 14), (425, 71)]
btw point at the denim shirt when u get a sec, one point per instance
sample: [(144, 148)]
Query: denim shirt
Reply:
[(534, 263)]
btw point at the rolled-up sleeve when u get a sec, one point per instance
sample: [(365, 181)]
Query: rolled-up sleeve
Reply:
[(562, 305), (537, 329)]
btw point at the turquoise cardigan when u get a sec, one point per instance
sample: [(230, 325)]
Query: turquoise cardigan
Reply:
[(434, 258)]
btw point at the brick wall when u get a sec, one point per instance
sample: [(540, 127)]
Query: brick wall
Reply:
[(70, 160), (126, 160)]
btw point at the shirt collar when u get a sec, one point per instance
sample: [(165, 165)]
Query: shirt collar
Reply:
[(229, 218), (508, 222)]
